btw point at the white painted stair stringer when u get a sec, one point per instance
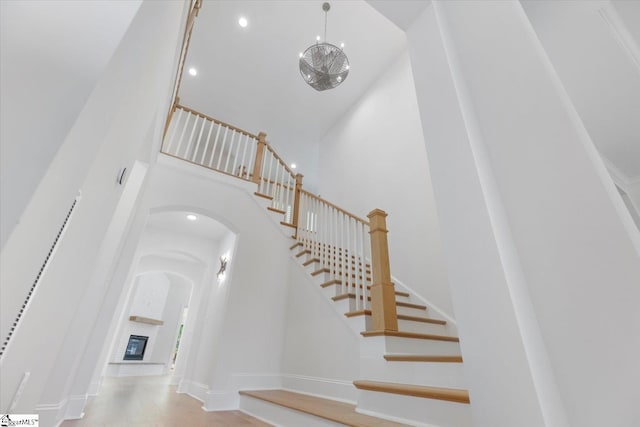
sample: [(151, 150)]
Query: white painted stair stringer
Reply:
[(373, 366), (435, 374), (416, 410)]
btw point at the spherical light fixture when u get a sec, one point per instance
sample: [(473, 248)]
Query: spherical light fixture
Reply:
[(324, 66)]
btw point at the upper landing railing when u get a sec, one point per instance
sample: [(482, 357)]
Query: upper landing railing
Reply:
[(351, 250)]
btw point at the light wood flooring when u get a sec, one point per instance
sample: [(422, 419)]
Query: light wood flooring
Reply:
[(152, 402)]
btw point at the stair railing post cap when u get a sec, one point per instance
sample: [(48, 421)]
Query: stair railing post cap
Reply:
[(377, 212)]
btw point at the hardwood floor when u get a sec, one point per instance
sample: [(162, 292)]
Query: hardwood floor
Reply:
[(152, 402)]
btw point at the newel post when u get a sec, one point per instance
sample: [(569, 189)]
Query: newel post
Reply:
[(296, 201), (383, 296), (257, 166)]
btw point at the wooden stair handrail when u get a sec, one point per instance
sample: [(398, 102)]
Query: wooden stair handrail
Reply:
[(357, 218), (383, 303), (282, 162), (194, 9), (220, 122)]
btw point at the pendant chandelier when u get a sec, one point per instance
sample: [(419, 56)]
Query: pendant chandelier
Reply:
[(324, 66)]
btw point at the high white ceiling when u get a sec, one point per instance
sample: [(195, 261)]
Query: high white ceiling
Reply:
[(249, 76), (176, 222)]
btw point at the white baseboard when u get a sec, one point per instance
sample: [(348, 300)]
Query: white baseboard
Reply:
[(51, 414), (94, 387), (194, 389), (227, 399), (341, 390), (75, 407)]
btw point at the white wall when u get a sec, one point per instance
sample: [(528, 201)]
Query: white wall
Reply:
[(214, 314), (321, 352), (52, 55), (542, 265), (585, 41), (116, 121), (251, 320), (375, 158)]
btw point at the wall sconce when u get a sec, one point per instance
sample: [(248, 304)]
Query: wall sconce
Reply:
[(223, 266)]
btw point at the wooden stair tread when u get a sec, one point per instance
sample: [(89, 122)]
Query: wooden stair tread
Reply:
[(400, 317), (414, 335), (280, 211), (421, 358), (411, 305), (440, 393), (339, 282), (310, 261), (332, 410), (286, 224), (303, 252), (264, 196), (295, 245)]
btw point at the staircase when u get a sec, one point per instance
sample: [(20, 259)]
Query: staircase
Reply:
[(410, 362)]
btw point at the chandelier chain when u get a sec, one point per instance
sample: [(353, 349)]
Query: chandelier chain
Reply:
[(325, 26)]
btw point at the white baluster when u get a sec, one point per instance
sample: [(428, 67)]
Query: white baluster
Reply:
[(243, 163), (221, 152), (193, 131), (195, 150), (206, 145), (235, 159), (282, 187), (229, 150), (215, 145), (269, 181), (184, 129), (253, 146), (343, 285), (364, 269), (287, 201), (330, 233), (354, 265)]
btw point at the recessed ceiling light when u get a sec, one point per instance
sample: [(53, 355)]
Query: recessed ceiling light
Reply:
[(342, 45), (193, 71), (300, 54), (293, 166), (318, 38), (243, 22), (191, 217), (347, 67)]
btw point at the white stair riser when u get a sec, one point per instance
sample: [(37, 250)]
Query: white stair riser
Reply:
[(357, 324), (421, 327), (346, 305), (436, 374), (417, 410), (339, 289), (409, 311), (281, 416), (401, 345), (265, 203)]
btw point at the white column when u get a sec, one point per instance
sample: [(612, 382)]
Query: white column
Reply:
[(543, 268)]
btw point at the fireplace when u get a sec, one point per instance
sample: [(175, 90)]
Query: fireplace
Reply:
[(136, 347)]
